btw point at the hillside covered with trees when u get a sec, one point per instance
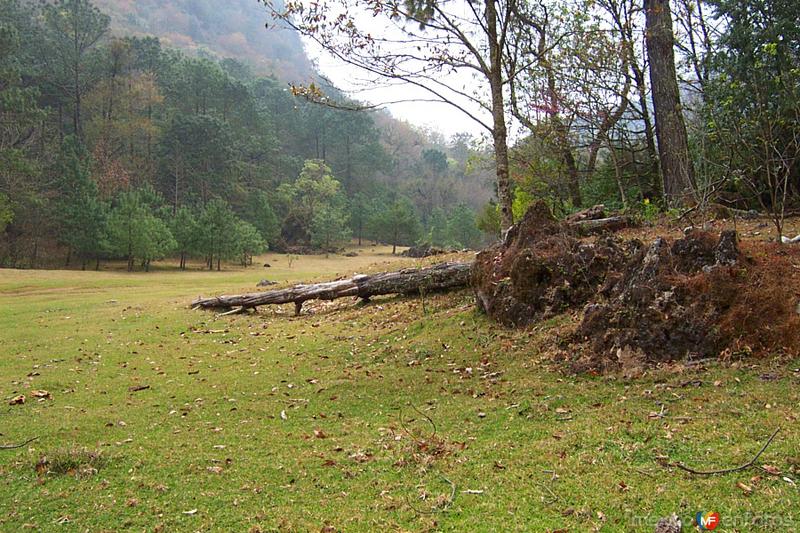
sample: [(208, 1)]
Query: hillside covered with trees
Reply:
[(126, 148), (234, 28)]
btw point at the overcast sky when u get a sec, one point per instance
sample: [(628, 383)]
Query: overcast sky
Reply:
[(437, 116), (442, 117)]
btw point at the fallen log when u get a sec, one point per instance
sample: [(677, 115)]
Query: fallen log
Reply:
[(441, 277), (593, 213), (599, 225)]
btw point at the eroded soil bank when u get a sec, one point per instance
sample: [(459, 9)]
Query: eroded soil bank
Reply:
[(642, 303)]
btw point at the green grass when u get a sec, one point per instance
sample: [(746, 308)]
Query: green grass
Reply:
[(271, 422)]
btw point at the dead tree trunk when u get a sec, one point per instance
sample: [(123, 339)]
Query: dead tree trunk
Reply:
[(441, 277)]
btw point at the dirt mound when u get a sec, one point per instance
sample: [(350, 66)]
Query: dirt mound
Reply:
[(541, 270), (696, 297)]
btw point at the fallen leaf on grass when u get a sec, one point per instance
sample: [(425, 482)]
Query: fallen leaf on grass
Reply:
[(361, 457), (746, 489), (320, 434), (17, 400), (769, 469), (283, 416), (215, 469), (43, 394)]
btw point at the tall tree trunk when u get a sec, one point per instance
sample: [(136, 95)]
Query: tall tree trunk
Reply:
[(499, 132), (673, 144), (561, 129), (573, 180), (649, 136)]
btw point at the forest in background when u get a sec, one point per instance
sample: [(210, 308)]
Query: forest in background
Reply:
[(645, 105), (124, 148)]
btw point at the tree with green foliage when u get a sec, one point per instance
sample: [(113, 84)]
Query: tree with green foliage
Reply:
[(329, 229), (314, 190), (196, 152), (20, 114), (22, 191), (73, 28), (6, 213), (462, 227), (488, 220), (247, 242), (753, 105), (81, 213), (438, 234), (260, 214), (360, 215), (185, 229), (396, 223), (217, 224), (135, 233)]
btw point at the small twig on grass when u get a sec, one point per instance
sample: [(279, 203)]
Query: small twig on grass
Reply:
[(437, 510), (553, 497), (728, 470), (410, 433), (15, 446)]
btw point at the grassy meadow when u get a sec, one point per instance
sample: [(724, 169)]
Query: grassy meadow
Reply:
[(388, 417)]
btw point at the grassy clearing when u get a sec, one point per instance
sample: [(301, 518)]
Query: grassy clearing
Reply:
[(270, 422)]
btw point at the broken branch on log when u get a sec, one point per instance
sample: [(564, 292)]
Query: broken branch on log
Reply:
[(602, 224), (441, 277)]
